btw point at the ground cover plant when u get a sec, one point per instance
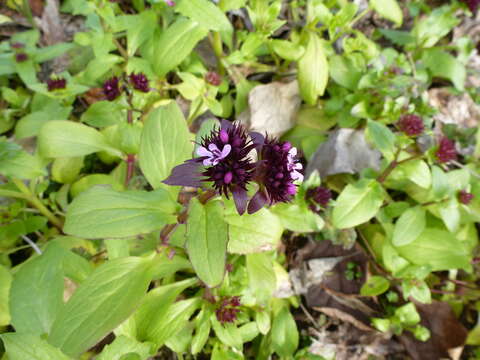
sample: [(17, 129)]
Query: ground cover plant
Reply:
[(239, 179)]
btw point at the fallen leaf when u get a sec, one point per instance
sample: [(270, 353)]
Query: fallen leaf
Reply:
[(345, 151), (454, 109), (446, 333), (273, 107)]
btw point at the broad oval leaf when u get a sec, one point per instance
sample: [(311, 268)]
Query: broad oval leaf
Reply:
[(313, 70), (101, 303), (438, 249), (409, 226), (206, 13), (64, 138), (206, 243), (30, 347), (358, 203), (389, 9), (374, 286), (284, 333), (102, 212), (15, 162), (165, 143), (36, 295), (175, 44)]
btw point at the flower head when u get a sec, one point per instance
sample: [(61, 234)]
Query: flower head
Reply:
[(319, 195), (111, 88), (465, 197), (213, 78), (472, 5), (446, 150), (224, 155), (228, 309), (139, 82), (276, 172), (21, 57), (411, 124), (54, 84), (17, 45)]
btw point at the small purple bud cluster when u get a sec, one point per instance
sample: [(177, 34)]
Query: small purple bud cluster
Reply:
[(228, 310), (170, 2), (465, 197), (112, 88), (21, 57), (411, 125), (139, 82), (213, 78), (318, 197), (56, 84), (225, 155), (473, 5), (446, 150)]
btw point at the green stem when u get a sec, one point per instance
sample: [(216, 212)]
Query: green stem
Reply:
[(14, 194), (216, 42), (33, 200)]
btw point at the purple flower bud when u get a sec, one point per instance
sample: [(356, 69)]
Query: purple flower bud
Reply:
[(319, 195), (446, 150), (170, 2), (21, 57), (213, 78), (227, 310), (411, 125), (17, 45), (140, 82), (465, 197), (223, 136), (472, 5), (227, 178), (55, 84), (111, 88)]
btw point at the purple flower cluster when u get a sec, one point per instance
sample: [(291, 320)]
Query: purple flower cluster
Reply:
[(21, 57), (465, 197), (227, 163), (56, 84), (473, 5), (228, 309), (446, 150), (411, 125), (139, 82), (318, 197), (112, 88), (213, 78)]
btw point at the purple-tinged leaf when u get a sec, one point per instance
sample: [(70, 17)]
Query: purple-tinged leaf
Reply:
[(257, 202), (186, 174), (240, 197)]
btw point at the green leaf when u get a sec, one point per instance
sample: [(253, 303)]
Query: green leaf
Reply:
[(409, 226), (418, 290), (202, 331), (207, 237), (204, 12), (227, 333), (5, 285), (102, 113), (36, 295), (30, 347), (175, 44), (407, 314), (389, 9), (382, 137), (123, 345), (358, 203), (154, 315), (298, 218), (67, 139), (397, 37), (440, 185), (344, 72), (66, 169), (435, 26), (165, 143), (261, 277), (253, 233), (15, 162), (101, 303), (442, 64), (437, 248), (375, 285), (313, 70), (284, 333), (102, 212)]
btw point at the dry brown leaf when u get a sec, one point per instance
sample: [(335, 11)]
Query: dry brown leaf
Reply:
[(446, 333), (273, 107), (454, 109)]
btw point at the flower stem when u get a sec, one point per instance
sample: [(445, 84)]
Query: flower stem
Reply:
[(35, 201), (130, 168), (216, 42)]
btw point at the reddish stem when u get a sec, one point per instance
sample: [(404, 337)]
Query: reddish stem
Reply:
[(130, 168)]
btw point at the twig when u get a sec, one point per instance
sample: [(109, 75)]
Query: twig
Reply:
[(309, 316), (32, 244)]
